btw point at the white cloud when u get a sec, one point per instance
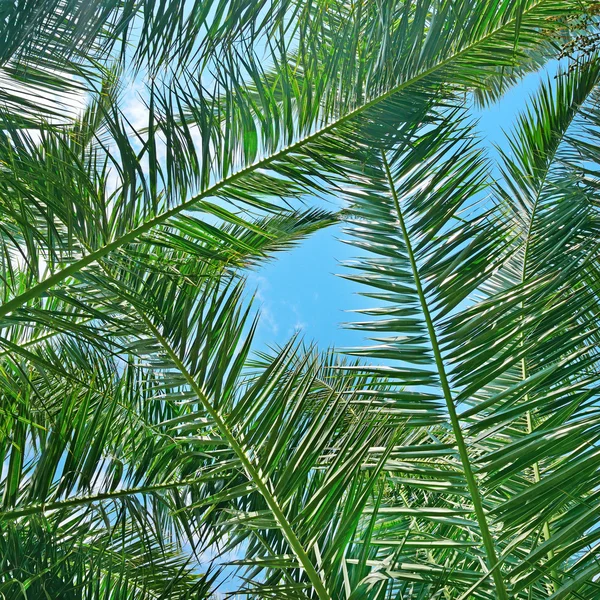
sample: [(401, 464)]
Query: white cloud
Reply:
[(267, 317)]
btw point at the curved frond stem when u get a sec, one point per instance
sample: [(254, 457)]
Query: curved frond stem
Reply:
[(253, 472), (486, 536), (524, 370), (37, 509), (541, 183), (134, 234)]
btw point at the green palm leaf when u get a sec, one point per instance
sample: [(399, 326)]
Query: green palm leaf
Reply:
[(458, 51), (146, 451), (516, 367)]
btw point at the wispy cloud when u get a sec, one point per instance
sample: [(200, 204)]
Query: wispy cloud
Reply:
[(267, 316)]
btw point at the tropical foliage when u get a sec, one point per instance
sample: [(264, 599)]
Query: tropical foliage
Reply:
[(150, 449)]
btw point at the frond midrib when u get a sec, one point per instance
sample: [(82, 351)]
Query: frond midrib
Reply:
[(454, 420), (252, 471), (93, 257)]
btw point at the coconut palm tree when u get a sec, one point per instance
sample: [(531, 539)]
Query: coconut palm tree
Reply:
[(149, 450)]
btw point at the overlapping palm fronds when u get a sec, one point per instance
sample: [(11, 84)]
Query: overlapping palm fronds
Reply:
[(145, 445)]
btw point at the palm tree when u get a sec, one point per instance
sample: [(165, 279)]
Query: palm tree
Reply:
[(145, 440)]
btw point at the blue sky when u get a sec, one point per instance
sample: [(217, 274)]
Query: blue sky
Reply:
[(299, 290)]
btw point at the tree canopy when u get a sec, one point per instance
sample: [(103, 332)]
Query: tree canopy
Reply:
[(150, 449)]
